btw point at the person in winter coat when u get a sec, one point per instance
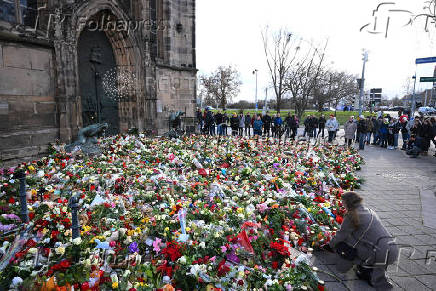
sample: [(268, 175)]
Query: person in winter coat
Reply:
[(308, 126), (427, 135), (321, 125), (369, 128), (241, 124), (383, 132), (350, 131), (362, 129), (278, 122), (433, 121), (257, 126), (396, 131), (414, 147), (332, 126), (375, 128), (234, 124), (247, 125), (362, 229), (225, 123), (404, 131), (266, 124), (219, 121), (209, 122)]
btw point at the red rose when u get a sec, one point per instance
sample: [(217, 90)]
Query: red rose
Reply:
[(85, 286), (339, 219), (11, 200), (65, 264), (31, 215), (275, 265)]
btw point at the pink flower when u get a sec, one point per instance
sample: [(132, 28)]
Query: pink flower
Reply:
[(223, 249), (156, 245)]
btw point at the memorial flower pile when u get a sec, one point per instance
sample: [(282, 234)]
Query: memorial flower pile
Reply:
[(197, 213)]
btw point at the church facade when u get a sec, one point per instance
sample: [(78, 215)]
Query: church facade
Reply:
[(66, 64)]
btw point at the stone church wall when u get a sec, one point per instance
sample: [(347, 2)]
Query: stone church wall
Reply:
[(28, 111)]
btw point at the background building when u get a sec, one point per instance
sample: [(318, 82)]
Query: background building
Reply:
[(69, 63)]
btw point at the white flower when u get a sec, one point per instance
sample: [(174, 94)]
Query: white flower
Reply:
[(202, 245), (33, 251), (182, 260), (77, 241)]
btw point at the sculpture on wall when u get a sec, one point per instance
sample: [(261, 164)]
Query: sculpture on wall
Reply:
[(87, 139)]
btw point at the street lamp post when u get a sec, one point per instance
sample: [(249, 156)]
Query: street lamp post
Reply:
[(255, 73), (362, 84), (412, 114)]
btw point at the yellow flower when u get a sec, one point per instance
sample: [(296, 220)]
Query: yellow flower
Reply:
[(44, 231), (309, 209), (138, 230), (130, 232), (31, 168), (167, 228), (188, 229), (34, 192), (240, 210), (114, 285)]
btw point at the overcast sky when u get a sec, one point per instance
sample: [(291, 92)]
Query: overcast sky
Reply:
[(229, 33)]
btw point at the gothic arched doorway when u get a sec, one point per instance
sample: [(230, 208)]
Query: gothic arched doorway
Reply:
[(96, 59)]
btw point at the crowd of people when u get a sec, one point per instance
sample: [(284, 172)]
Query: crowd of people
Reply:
[(381, 130)]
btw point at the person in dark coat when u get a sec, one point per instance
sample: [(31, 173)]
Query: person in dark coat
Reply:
[(219, 121), (234, 124), (248, 124), (314, 125), (321, 125), (267, 120), (308, 126), (225, 123), (362, 129), (209, 122), (362, 228)]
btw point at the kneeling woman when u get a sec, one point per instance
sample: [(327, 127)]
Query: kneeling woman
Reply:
[(365, 242)]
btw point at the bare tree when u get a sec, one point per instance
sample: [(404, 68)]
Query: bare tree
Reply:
[(333, 87), (304, 74), (279, 55), (221, 86)]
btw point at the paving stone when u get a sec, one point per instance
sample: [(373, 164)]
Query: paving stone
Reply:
[(413, 268), (409, 283), (335, 286), (428, 280)]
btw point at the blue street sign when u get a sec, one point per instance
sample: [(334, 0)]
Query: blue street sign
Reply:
[(256, 106), (426, 60)]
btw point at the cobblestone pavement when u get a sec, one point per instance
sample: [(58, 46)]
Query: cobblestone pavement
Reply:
[(402, 191)]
